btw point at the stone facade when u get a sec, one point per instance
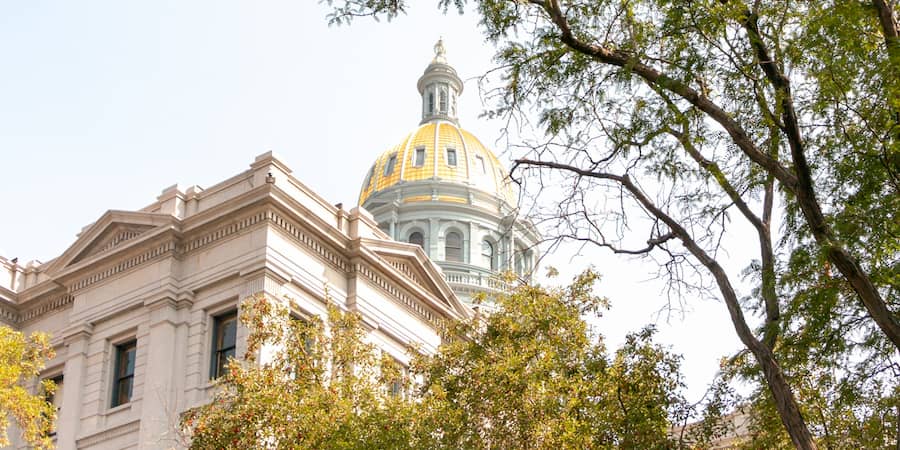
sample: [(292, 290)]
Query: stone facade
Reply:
[(159, 280)]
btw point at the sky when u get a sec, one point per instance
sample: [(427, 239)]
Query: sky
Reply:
[(103, 104)]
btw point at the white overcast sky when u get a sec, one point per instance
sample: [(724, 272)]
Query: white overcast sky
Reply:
[(105, 103)]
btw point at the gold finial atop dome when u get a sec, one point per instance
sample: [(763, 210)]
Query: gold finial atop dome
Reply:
[(440, 53)]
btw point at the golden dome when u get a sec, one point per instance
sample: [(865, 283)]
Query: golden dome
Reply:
[(461, 158)]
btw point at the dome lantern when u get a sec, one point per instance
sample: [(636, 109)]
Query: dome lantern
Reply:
[(440, 87)]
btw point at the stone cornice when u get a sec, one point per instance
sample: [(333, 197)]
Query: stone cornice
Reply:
[(52, 303), (9, 314), (301, 235), (263, 206)]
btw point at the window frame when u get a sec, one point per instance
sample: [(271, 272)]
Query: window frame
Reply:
[(409, 238), (54, 399), (120, 376), (451, 151), (489, 257), (443, 98), (419, 151), (460, 258), (481, 163), (219, 321), (389, 165)]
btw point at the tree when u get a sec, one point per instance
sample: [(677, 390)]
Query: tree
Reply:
[(21, 360), (312, 389), (530, 375), (687, 115), (533, 375)]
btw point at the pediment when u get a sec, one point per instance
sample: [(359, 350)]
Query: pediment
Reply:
[(113, 230), (113, 236), (412, 262)]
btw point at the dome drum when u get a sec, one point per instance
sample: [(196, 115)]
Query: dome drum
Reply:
[(439, 194)]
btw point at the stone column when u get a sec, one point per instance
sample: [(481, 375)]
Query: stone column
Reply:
[(474, 253), (68, 423), (393, 226), (164, 380)]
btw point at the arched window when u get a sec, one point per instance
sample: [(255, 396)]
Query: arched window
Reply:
[(417, 238), (431, 103), (487, 255), (453, 247)]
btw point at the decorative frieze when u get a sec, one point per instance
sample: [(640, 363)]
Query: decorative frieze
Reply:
[(308, 241), (222, 232), (46, 306), (148, 255), (8, 314)]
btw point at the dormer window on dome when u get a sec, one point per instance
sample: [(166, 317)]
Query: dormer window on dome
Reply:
[(440, 87)]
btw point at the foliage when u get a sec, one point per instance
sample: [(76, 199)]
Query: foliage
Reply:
[(21, 360), (679, 130), (530, 375), (313, 389)]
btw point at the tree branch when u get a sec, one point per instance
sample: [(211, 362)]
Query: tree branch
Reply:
[(624, 60), (781, 390), (806, 194)]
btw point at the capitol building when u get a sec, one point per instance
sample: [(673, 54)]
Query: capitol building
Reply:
[(142, 306)]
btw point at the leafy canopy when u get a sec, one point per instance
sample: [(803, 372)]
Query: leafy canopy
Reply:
[(21, 360)]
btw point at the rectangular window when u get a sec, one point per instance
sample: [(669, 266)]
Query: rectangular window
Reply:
[(123, 376), (389, 167), (443, 98), (55, 398), (420, 157), (224, 340), (451, 157), (301, 323), (481, 163)]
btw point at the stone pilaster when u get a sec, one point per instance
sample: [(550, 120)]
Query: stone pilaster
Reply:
[(434, 241), (164, 387), (76, 339)]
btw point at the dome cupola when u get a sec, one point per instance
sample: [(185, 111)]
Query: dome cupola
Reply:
[(439, 87)]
